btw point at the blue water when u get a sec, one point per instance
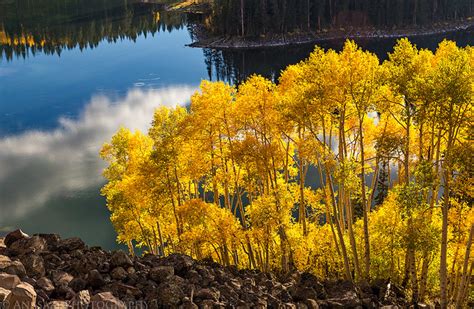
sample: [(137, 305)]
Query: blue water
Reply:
[(35, 91), (50, 173)]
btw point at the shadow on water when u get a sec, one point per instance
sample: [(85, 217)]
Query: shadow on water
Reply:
[(236, 65)]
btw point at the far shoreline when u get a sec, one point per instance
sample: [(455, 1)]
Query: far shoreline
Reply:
[(204, 40)]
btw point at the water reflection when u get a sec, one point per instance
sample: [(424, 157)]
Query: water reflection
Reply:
[(236, 65), (41, 167), (50, 26)]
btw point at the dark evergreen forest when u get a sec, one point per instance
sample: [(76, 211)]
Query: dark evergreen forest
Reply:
[(260, 17)]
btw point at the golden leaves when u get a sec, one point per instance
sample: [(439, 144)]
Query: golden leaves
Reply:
[(245, 168)]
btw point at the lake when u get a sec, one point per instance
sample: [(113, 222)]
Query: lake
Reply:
[(73, 72)]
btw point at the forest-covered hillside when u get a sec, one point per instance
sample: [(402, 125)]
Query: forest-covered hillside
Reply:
[(253, 18)]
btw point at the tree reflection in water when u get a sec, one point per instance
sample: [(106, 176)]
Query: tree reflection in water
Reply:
[(50, 26), (234, 66)]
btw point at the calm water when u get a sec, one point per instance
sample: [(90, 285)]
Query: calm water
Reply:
[(74, 75)]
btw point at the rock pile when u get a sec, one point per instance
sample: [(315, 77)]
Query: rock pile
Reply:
[(45, 270)]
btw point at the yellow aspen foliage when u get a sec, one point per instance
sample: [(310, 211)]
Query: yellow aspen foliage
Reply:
[(346, 168), (209, 231)]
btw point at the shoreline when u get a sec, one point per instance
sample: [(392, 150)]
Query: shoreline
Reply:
[(282, 40)]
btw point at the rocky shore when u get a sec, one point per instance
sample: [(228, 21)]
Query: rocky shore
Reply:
[(46, 271), (205, 40)]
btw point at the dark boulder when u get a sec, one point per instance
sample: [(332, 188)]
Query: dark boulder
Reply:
[(212, 293), (169, 294), (52, 261), (8, 281), (181, 263), (311, 281), (120, 258), (15, 268), (60, 277), (46, 285), (78, 284), (63, 291), (95, 279), (11, 237), (124, 290), (34, 265), (29, 245), (118, 273), (302, 293), (161, 273), (51, 240), (103, 267), (70, 244)]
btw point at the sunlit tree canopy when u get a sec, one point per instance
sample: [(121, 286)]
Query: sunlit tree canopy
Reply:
[(346, 168)]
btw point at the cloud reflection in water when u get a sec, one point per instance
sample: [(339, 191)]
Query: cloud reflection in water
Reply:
[(39, 165)]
